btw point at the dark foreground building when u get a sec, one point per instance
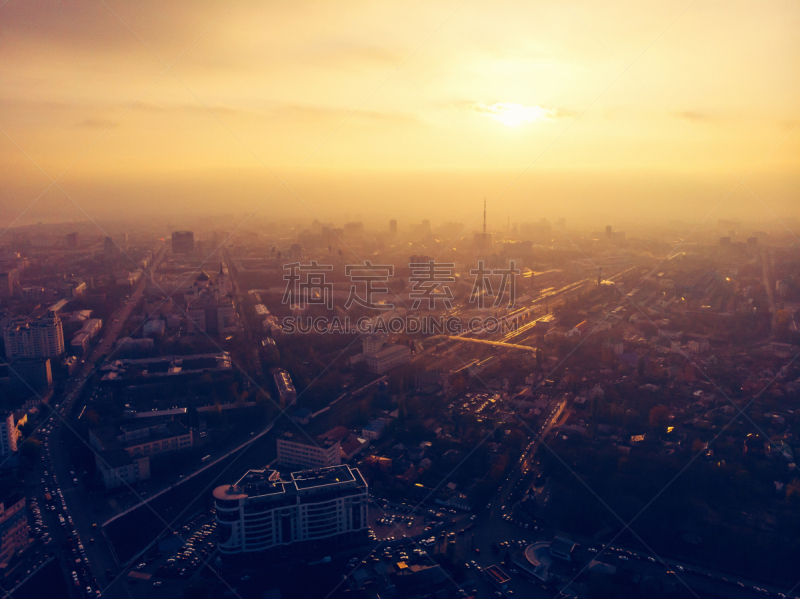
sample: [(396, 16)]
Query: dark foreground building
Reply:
[(311, 512)]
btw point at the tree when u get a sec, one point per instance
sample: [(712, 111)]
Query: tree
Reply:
[(30, 450), (450, 551), (197, 590), (659, 417)]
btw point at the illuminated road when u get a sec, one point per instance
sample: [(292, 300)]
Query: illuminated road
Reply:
[(495, 343)]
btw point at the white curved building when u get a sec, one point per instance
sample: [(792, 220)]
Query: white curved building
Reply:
[(314, 510)]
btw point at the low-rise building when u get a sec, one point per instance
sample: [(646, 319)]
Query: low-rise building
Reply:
[(143, 439), (80, 344), (154, 328), (8, 435), (374, 429), (123, 453), (118, 469), (388, 357), (286, 391), (295, 451), (496, 577), (698, 346)]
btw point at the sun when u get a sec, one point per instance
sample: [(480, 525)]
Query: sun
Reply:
[(513, 115)]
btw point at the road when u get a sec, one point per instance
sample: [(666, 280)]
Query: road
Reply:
[(500, 344), (83, 507), (491, 527)]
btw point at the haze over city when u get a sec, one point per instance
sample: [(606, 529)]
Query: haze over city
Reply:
[(399, 300)]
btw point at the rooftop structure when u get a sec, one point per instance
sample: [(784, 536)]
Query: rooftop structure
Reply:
[(497, 577), (167, 366)]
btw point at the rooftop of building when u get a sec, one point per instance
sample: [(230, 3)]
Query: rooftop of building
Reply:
[(376, 425), (562, 546), (389, 349), (321, 442), (117, 459), (266, 482), (283, 380), (321, 477), (108, 436), (497, 575)]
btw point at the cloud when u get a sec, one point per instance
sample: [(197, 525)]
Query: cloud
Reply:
[(96, 123), (691, 115), (512, 115)]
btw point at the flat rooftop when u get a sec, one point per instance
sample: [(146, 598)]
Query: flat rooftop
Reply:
[(562, 546), (497, 575), (309, 479), (261, 483)]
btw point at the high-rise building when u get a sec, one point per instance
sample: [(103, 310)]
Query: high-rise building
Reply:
[(72, 241), (42, 337), (31, 376), (309, 512), (9, 283), (8, 435), (183, 242), (14, 525), (353, 230), (393, 227)]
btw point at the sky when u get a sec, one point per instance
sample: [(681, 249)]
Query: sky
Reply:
[(566, 108)]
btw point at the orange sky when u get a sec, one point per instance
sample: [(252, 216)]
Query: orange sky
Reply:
[(374, 103)]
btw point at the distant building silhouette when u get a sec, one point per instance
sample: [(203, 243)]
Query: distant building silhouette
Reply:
[(183, 242)]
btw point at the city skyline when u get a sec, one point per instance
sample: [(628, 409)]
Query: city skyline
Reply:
[(399, 300)]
